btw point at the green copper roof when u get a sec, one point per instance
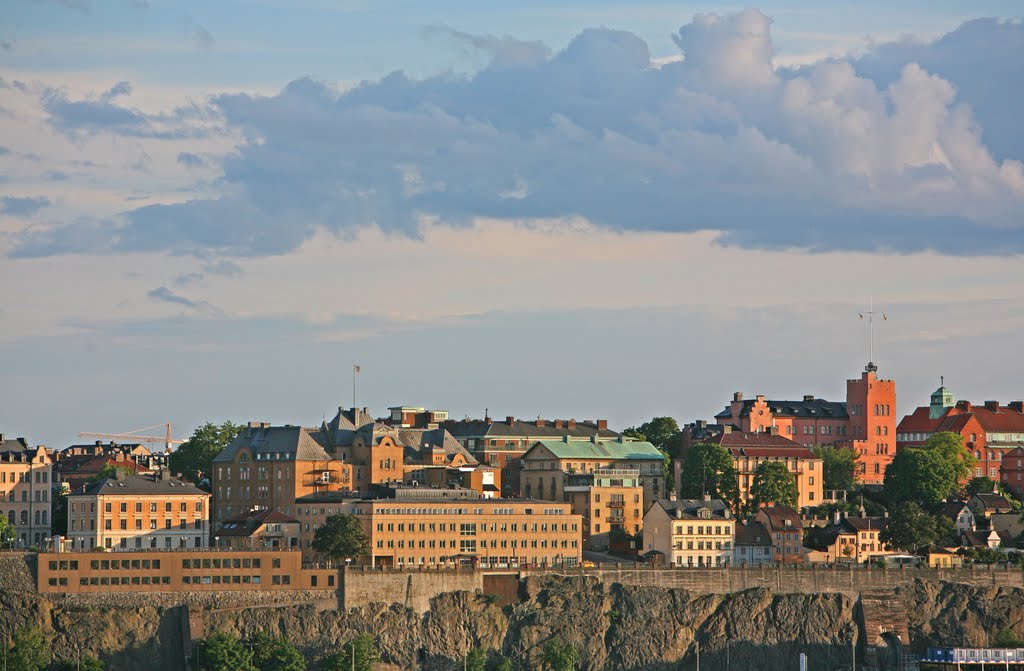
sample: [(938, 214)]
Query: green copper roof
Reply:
[(610, 449)]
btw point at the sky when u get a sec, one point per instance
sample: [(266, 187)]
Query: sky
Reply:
[(567, 209)]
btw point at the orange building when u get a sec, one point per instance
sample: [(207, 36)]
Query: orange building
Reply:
[(607, 499), (135, 512), (865, 421), (26, 474)]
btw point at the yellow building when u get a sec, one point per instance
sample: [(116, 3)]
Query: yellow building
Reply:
[(25, 477), (610, 502), (134, 512), (690, 532)]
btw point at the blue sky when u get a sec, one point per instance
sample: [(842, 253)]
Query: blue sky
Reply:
[(600, 209)]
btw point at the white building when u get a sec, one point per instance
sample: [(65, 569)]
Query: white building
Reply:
[(690, 532)]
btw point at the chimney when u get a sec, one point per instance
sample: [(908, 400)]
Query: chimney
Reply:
[(571, 424), (1016, 405), (737, 396), (992, 406), (558, 424), (963, 405), (679, 513), (1, 437), (707, 497), (835, 517), (566, 438), (119, 474), (539, 422), (701, 423), (165, 474), (602, 425), (808, 397), (510, 420), (672, 495), (773, 430), (760, 398)]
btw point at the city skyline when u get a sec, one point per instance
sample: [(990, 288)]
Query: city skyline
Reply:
[(589, 210)]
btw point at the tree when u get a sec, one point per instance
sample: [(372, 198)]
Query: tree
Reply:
[(928, 474), (980, 485), (59, 514), (341, 537), (910, 528), (557, 656), (359, 654), (476, 660), (662, 432), (111, 471), (87, 663), (773, 483), (275, 654), (223, 652), (839, 466), (6, 531), (708, 468), (503, 664), (1005, 638), (29, 650), (194, 459)]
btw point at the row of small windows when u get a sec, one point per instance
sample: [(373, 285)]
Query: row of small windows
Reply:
[(41, 477), (467, 545), (106, 564), (40, 516), (115, 580), (108, 507), (41, 495), (701, 530)]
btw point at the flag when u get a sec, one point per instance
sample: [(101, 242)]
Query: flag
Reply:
[(355, 368)]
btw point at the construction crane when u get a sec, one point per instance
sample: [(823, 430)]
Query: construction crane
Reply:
[(135, 436)]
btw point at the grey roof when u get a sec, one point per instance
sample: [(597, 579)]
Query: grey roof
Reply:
[(289, 443), (689, 507), (478, 428), (149, 484), (813, 407), (342, 428), (17, 449), (752, 533)]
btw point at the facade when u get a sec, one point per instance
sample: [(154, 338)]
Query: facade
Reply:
[(750, 449), (136, 512), (989, 430), (1011, 471), (186, 571), (607, 499), (753, 545), (785, 528), (851, 539), (500, 444), (548, 466), (690, 533), (258, 530), (420, 526), (865, 421), (26, 476)]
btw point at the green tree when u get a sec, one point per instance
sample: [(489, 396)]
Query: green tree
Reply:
[(930, 473), (275, 654), (773, 483), (194, 459), (29, 650), (341, 537), (980, 485), (223, 652), (662, 432), (59, 514), (946, 534), (910, 528), (708, 468), (839, 466), (6, 531), (359, 654), (111, 471), (476, 660), (503, 664), (87, 663), (1005, 638), (558, 656)]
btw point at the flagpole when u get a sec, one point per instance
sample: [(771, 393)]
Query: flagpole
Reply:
[(355, 369)]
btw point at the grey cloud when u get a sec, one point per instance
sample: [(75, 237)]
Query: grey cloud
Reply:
[(165, 295), (190, 160), (818, 159), (223, 268), (504, 51), (4, 151), (22, 207), (6, 45)]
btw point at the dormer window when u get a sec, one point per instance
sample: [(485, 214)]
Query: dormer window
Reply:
[(704, 514)]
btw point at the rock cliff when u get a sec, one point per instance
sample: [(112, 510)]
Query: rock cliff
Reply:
[(613, 626)]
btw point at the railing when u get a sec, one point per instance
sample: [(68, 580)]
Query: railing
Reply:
[(616, 504)]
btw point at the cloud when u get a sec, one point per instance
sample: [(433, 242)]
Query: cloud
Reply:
[(820, 158), (165, 295), (6, 45), (190, 160), (22, 207)]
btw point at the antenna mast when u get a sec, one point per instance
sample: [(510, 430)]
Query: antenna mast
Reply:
[(871, 312)]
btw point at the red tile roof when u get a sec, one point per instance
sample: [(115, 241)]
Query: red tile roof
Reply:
[(759, 444)]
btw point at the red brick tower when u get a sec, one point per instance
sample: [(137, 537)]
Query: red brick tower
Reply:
[(871, 404)]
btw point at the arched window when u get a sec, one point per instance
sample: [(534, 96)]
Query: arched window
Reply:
[(44, 517), (24, 517), (37, 518), (974, 437)]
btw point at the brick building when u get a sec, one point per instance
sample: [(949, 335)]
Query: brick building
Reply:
[(989, 430), (1011, 471), (135, 512), (26, 475), (864, 421), (71, 473), (690, 532), (786, 532), (606, 499)]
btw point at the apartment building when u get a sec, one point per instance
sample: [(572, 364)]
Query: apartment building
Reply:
[(851, 539), (26, 475), (610, 502), (258, 530), (420, 526), (786, 532), (690, 532), (549, 464), (753, 544), (135, 512)]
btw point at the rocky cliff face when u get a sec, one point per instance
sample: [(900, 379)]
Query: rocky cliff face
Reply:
[(613, 626)]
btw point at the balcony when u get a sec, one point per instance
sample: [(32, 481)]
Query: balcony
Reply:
[(616, 504), (324, 478)]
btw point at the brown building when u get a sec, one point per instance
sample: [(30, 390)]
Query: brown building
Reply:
[(72, 473), (1011, 471), (25, 497), (135, 512), (610, 502), (263, 529), (419, 526), (785, 529), (851, 539), (548, 465), (207, 571)]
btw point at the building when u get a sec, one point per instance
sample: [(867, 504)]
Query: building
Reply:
[(71, 473), (689, 532), (137, 452), (1011, 471), (501, 443), (484, 479), (785, 528), (135, 512), (548, 465), (753, 545), (989, 430), (749, 449), (425, 527), (26, 474), (960, 514), (258, 530), (610, 502), (851, 539), (985, 505), (863, 422)]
